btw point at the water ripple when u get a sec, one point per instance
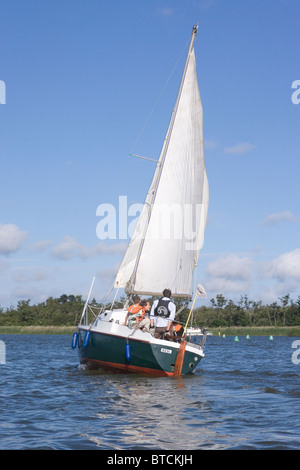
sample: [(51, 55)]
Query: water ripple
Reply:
[(236, 399)]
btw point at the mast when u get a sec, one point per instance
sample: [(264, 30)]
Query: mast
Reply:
[(129, 289)]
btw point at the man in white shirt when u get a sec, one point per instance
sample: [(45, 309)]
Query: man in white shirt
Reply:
[(162, 314)]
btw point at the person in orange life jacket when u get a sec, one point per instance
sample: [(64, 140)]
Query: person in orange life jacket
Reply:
[(141, 313), (135, 310), (162, 314), (177, 329), (144, 323)]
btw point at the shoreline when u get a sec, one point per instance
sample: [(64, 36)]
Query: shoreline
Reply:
[(292, 331), (37, 330)]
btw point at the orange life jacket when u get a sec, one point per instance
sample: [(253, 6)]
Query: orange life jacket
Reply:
[(176, 328), (138, 311)]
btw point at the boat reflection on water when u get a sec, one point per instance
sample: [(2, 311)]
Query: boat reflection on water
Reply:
[(151, 413)]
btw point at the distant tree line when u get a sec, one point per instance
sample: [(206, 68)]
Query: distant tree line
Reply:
[(246, 312), (66, 311), (62, 311)]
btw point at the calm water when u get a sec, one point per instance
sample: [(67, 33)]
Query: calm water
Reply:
[(244, 395)]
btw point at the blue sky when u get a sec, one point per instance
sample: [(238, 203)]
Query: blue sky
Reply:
[(85, 87)]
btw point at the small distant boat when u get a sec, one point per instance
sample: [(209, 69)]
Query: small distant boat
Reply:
[(193, 331), (151, 264)]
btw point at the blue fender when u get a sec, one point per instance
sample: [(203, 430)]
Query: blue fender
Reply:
[(75, 340), (86, 338), (127, 352)]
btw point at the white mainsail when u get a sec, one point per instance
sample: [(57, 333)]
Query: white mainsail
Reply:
[(169, 234)]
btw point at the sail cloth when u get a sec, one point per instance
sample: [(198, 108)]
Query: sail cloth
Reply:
[(169, 234)]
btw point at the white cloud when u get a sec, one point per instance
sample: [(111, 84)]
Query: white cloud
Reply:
[(284, 267), (28, 275), (277, 218), (223, 285), (42, 245), (11, 238), (69, 248), (104, 249), (240, 148), (230, 267), (270, 290), (66, 249), (108, 273), (229, 273), (166, 11), (27, 292)]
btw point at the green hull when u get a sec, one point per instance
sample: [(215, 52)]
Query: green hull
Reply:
[(108, 351)]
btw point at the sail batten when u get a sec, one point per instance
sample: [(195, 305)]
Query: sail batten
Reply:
[(165, 246)]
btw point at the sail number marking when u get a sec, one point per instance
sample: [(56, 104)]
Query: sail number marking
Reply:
[(168, 351)]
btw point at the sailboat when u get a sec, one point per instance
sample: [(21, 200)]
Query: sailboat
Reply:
[(160, 255)]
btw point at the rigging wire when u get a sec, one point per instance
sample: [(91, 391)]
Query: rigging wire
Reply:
[(158, 99)]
